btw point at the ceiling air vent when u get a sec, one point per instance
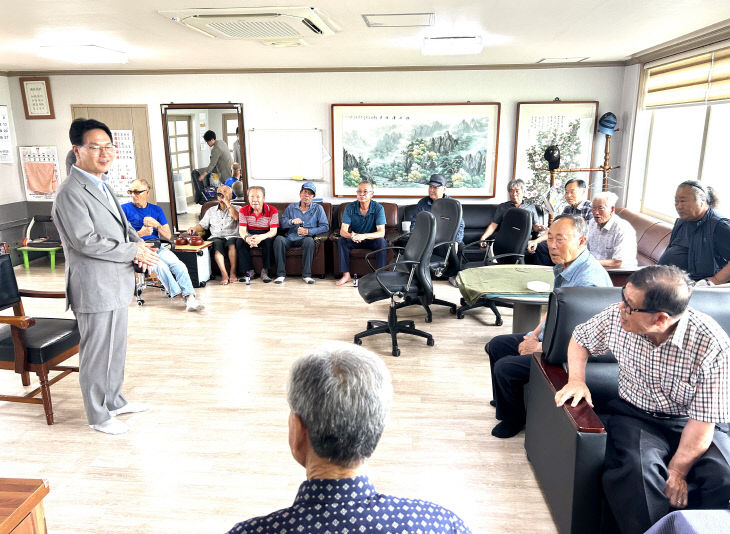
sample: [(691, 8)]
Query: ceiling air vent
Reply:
[(265, 24)]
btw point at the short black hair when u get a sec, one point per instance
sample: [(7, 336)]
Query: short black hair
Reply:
[(581, 183), (80, 126), (666, 288), (209, 135)]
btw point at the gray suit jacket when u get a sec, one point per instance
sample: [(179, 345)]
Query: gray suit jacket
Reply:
[(99, 246)]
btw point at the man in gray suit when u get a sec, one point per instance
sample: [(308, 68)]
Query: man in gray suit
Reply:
[(101, 249), (220, 159)]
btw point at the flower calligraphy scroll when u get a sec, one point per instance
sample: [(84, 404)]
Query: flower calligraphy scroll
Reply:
[(570, 125), (398, 147)]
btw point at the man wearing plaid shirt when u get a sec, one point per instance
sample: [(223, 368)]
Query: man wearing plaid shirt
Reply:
[(667, 448)]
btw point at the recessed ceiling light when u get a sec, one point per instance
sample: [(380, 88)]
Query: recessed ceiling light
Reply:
[(82, 54), (399, 20), (562, 59), (444, 46)]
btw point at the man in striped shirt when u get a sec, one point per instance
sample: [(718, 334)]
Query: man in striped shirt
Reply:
[(668, 446), (258, 223)]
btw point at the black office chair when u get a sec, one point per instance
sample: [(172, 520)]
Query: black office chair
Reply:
[(447, 213), (406, 280), (33, 345), (508, 246)]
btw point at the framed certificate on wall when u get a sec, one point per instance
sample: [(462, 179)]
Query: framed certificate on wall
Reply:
[(37, 100)]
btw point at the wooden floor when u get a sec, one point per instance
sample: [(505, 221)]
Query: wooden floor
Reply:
[(213, 450)]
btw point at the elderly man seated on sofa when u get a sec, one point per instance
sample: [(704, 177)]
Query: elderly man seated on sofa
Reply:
[(150, 223), (510, 354), (611, 239), (340, 396), (668, 447)]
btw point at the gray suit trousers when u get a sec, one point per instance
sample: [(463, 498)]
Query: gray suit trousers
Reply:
[(102, 352)]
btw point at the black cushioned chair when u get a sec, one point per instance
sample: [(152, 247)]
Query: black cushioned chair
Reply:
[(447, 213), (508, 246), (566, 445), (33, 345), (405, 281)]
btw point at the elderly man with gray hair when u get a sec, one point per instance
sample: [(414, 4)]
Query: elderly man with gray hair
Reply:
[(611, 239), (340, 396)]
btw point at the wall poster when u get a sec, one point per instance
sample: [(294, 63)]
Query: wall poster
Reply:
[(124, 169), (398, 147), (6, 153), (41, 176)]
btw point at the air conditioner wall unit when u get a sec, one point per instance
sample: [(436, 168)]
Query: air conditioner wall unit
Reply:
[(264, 24)]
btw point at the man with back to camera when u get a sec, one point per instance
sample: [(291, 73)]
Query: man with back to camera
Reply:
[(303, 221), (576, 195), (339, 398), (667, 447), (100, 249), (150, 223), (510, 354), (220, 159), (363, 226)]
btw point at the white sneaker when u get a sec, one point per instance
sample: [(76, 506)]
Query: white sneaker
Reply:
[(111, 426), (279, 279), (193, 304), (130, 407), (308, 279)]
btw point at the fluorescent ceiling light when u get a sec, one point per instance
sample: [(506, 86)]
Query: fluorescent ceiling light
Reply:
[(399, 20), (562, 59), (83, 54), (445, 46)]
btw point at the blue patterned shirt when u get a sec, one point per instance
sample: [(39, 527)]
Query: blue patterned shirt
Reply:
[(584, 209), (351, 505)]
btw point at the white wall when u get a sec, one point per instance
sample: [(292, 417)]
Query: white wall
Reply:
[(302, 100), (11, 186)]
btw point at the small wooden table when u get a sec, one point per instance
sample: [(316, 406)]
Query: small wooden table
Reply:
[(51, 252), (21, 505)]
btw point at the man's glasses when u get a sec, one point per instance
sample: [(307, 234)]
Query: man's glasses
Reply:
[(97, 148), (631, 310), (131, 192)]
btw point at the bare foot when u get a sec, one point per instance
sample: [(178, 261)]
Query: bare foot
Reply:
[(344, 280), (225, 281), (232, 277)]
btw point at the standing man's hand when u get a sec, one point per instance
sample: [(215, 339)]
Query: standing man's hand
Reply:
[(146, 258)]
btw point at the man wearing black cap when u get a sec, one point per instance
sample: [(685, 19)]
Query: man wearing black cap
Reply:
[(303, 220), (436, 190)]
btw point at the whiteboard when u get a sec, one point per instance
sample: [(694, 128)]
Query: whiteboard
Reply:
[(283, 154)]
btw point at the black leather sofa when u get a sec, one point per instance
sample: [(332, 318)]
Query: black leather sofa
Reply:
[(566, 445)]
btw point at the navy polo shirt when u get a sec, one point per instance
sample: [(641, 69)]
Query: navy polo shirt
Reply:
[(364, 224)]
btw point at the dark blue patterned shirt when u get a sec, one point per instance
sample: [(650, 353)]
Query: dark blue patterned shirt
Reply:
[(351, 505)]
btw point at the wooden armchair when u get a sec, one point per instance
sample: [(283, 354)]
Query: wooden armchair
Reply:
[(29, 344)]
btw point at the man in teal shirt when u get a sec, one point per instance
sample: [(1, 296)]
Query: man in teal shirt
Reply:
[(363, 226)]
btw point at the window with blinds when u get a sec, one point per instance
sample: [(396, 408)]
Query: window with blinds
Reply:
[(700, 79)]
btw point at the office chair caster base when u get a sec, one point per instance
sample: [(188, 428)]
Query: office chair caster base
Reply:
[(459, 315), (140, 302), (428, 319), (430, 342), (202, 284), (498, 322), (358, 341), (396, 351)]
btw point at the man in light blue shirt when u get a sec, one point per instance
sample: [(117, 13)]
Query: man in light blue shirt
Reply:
[(510, 354), (303, 220)]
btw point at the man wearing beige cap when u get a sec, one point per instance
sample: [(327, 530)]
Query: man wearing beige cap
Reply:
[(303, 220)]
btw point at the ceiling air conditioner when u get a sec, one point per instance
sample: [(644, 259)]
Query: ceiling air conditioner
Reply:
[(265, 24)]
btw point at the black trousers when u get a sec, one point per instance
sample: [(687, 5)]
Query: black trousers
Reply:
[(244, 253), (510, 373), (638, 450)]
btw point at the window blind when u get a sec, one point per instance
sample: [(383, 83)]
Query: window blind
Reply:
[(700, 79)]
